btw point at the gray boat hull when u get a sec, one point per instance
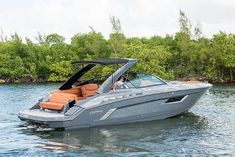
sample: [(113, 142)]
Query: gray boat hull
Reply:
[(120, 107)]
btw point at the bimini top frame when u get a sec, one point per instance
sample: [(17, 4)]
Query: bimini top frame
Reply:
[(107, 84)]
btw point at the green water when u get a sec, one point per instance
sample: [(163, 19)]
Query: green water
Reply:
[(208, 129)]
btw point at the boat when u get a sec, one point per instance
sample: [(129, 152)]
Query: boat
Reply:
[(97, 101)]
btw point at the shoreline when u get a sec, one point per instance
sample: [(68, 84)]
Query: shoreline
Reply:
[(29, 82)]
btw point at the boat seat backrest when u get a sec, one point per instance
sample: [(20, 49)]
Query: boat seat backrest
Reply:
[(62, 97), (58, 100), (89, 90), (51, 105), (75, 90)]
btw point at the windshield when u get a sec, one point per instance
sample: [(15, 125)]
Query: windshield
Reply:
[(143, 80)]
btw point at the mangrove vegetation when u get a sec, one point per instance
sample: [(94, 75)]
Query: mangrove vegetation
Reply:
[(185, 55)]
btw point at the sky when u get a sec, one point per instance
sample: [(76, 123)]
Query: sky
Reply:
[(139, 18)]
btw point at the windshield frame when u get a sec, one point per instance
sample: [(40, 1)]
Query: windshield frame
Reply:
[(130, 82)]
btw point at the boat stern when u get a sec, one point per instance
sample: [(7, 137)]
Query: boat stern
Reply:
[(53, 120)]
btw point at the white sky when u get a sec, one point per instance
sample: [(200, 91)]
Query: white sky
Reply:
[(142, 18)]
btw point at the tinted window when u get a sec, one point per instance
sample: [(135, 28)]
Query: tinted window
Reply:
[(144, 80)]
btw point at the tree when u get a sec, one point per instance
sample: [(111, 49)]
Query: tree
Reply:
[(117, 38), (180, 56), (185, 23), (92, 43), (198, 31), (54, 39)]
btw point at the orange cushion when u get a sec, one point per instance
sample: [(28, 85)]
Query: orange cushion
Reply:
[(75, 90), (62, 97), (89, 90), (80, 98), (52, 105)]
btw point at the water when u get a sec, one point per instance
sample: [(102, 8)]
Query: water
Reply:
[(207, 130)]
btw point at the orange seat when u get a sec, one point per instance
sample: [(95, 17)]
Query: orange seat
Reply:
[(89, 90), (52, 105), (75, 90), (80, 98), (58, 100)]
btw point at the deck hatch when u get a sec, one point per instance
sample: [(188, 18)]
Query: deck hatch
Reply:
[(175, 99)]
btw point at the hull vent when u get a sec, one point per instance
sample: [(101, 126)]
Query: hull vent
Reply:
[(175, 99)]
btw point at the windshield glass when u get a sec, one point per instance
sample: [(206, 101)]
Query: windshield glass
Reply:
[(143, 80)]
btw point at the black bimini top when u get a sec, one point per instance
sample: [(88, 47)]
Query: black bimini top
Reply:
[(89, 65), (107, 61)]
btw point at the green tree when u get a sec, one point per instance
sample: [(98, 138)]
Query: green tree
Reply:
[(185, 23), (54, 39), (116, 38), (92, 44)]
